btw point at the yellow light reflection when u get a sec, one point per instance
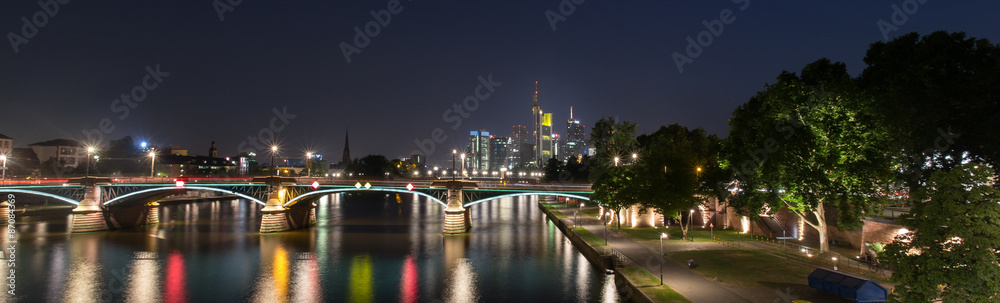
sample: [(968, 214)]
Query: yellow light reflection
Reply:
[(361, 279), (280, 271)]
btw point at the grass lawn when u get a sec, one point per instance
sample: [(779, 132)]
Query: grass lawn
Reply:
[(650, 284), (555, 210), (745, 267), (698, 234), (591, 239)]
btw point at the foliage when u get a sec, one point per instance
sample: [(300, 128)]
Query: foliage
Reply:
[(940, 95), (370, 166), (613, 181), (951, 251), (806, 142), (674, 169)]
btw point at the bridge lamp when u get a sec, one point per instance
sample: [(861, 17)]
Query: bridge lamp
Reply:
[(4, 159), (308, 159), (152, 162), (274, 150)]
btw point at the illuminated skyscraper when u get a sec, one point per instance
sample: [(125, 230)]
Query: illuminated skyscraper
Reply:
[(542, 132), (478, 156), (499, 146), (575, 140), (520, 149)]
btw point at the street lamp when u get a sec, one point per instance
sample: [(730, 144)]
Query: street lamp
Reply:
[(663, 235), (834, 263), (606, 229), (4, 177), (453, 154), (152, 163), (308, 160), (90, 150), (616, 161), (274, 149)]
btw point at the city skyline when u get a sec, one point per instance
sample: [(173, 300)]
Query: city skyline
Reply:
[(235, 72)]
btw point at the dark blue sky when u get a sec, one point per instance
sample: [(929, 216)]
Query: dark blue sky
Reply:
[(608, 58)]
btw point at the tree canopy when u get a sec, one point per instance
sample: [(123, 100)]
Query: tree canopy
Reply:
[(808, 141), (951, 249)]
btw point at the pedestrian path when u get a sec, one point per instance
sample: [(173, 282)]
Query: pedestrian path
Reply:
[(689, 284)]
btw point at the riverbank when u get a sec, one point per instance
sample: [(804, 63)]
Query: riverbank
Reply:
[(635, 284)]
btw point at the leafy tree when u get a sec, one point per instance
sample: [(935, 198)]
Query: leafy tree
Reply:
[(675, 168), (807, 142), (370, 166), (940, 96), (553, 169), (613, 182), (951, 251)]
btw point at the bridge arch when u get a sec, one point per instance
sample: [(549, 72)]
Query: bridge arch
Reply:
[(43, 194), (122, 198), (341, 190), (574, 196)]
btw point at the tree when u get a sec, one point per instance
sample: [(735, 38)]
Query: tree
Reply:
[(951, 250), (807, 142), (940, 95), (553, 169), (612, 180), (371, 166), (674, 170)]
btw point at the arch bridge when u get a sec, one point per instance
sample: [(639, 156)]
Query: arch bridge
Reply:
[(288, 203)]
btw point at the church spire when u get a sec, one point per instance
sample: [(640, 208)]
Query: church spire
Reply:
[(347, 146)]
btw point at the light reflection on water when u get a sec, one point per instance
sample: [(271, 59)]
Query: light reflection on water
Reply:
[(370, 248)]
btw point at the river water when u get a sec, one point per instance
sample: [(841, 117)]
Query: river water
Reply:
[(365, 248)]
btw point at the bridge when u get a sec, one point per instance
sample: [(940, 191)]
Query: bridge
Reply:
[(102, 203)]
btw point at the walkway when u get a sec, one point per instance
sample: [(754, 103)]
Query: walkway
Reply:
[(689, 284)]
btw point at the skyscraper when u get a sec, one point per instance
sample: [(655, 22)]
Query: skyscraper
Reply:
[(542, 132), (520, 149), (478, 155), (499, 145), (576, 138)]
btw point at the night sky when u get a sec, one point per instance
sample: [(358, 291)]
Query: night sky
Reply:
[(227, 77)]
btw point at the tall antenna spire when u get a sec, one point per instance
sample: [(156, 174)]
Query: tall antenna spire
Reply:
[(571, 113)]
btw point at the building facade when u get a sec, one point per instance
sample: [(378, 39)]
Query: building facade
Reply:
[(575, 144), (520, 148), (478, 151), (65, 152), (499, 146)]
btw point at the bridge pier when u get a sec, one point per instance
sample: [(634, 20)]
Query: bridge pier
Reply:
[(153, 214), (457, 219), (88, 215), (275, 215)]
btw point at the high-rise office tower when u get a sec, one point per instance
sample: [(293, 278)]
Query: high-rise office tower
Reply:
[(478, 155), (542, 132), (499, 145), (520, 148), (575, 140)]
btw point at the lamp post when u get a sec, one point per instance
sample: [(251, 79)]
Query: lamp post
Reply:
[(454, 153), (691, 218), (834, 263), (606, 229), (308, 161), (4, 177), (90, 150), (616, 161), (152, 163), (663, 235), (274, 149)]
